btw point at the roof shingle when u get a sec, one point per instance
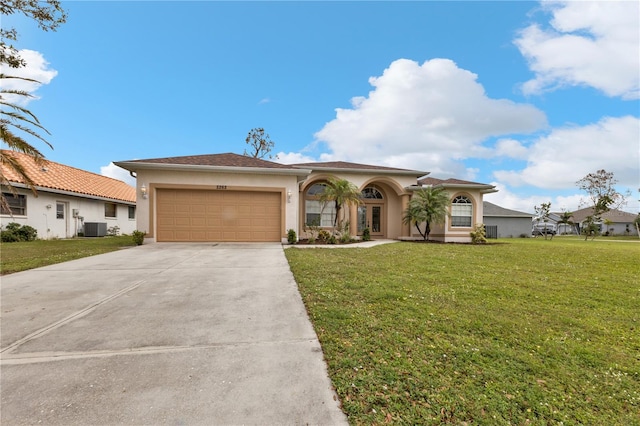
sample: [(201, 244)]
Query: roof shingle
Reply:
[(65, 178), (220, 160)]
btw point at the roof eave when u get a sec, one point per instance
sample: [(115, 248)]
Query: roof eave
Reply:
[(135, 166), (72, 193), (484, 189), (412, 173)]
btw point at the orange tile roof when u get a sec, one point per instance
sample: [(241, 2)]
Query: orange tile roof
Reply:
[(65, 178)]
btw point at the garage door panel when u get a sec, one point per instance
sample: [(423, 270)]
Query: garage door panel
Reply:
[(205, 215)]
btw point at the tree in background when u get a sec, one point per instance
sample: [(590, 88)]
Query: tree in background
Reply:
[(565, 218), (260, 144), (17, 122), (542, 214), (342, 193), (429, 206), (603, 196)]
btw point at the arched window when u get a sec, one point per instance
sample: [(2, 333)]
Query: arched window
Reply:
[(372, 193), (461, 211), (317, 213)]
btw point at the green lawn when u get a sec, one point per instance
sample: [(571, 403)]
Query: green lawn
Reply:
[(522, 331), (15, 257)]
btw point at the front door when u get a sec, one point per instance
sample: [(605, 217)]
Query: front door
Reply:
[(371, 216)]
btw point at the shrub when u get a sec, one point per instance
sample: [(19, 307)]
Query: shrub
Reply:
[(15, 233), (324, 235), (292, 238), (345, 238), (478, 235), (113, 231), (27, 233), (138, 237), (332, 240), (9, 237), (366, 234), (311, 240)]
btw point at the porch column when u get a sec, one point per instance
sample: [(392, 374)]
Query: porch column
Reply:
[(406, 229), (353, 220)]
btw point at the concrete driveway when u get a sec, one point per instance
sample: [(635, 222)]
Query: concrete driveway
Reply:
[(176, 334)]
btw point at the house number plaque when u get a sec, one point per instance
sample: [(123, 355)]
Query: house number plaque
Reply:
[(221, 186)]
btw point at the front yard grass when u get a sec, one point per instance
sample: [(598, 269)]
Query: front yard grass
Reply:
[(523, 331), (16, 257)]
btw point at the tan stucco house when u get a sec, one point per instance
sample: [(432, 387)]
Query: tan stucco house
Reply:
[(231, 197)]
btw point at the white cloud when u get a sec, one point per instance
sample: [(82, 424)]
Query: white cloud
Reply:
[(113, 171), (568, 154), (511, 148), (427, 117), (37, 69), (294, 158), (592, 43), (506, 198)]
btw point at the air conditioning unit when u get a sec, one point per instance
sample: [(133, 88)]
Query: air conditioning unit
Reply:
[(95, 229), (76, 212)]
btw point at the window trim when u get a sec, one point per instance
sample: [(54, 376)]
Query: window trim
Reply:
[(115, 210), (327, 210), (457, 199)]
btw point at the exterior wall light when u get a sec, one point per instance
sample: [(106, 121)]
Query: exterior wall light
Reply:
[(143, 191), (289, 194)]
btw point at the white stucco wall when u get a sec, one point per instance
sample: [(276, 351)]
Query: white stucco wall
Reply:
[(153, 179), (41, 214)]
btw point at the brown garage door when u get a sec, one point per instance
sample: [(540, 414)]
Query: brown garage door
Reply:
[(204, 215)]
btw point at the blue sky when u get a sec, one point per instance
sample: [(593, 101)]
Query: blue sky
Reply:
[(527, 96)]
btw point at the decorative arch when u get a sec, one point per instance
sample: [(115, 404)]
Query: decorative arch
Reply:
[(391, 183)]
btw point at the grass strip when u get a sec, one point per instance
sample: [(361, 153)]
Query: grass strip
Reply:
[(16, 257)]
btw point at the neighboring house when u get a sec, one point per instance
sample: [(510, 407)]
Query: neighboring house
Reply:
[(561, 228), (68, 200), (613, 222), (509, 223), (230, 197)]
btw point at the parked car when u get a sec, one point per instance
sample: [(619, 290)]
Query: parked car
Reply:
[(544, 229)]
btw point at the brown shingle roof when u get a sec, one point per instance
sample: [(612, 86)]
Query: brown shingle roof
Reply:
[(436, 181), (220, 160), (614, 215), (347, 165), (65, 178)]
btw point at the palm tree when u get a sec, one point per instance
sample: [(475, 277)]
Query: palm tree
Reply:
[(15, 117), (428, 205), (341, 192), (565, 218)]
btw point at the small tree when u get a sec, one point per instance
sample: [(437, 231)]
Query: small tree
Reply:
[(429, 206), (542, 214), (637, 224), (565, 218), (342, 193), (260, 144), (602, 197)]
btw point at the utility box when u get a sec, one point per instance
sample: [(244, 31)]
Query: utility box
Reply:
[(95, 229)]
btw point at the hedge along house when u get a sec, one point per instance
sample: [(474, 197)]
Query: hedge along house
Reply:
[(231, 197), (68, 201)]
